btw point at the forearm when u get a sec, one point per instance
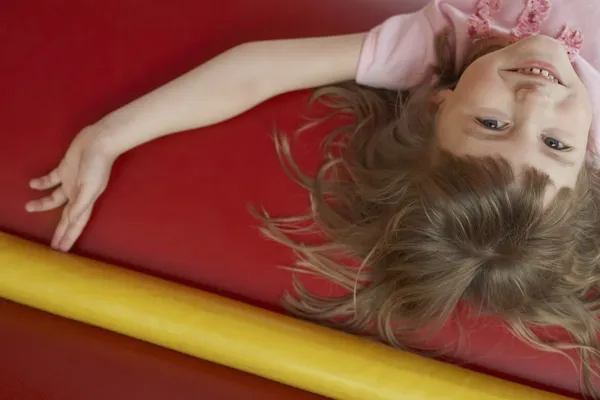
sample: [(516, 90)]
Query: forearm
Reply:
[(206, 95), (230, 84)]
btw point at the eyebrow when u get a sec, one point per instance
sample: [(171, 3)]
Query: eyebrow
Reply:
[(553, 155)]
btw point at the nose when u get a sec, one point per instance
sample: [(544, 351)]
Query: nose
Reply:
[(532, 92), (534, 100), (534, 105)]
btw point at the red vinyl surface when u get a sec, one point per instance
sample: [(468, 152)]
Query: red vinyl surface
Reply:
[(177, 207), (49, 358)]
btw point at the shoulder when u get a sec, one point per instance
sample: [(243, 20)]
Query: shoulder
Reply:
[(396, 53)]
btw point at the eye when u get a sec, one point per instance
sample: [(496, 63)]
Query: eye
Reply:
[(555, 144), (492, 124)]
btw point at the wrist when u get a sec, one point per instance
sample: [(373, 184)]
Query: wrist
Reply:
[(110, 136), (103, 140)]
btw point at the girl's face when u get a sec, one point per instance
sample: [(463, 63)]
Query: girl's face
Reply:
[(523, 102)]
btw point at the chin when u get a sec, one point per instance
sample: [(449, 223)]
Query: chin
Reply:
[(542, 43), (486, 46)]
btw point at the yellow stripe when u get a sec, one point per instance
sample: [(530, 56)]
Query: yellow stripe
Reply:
[(217, 329)]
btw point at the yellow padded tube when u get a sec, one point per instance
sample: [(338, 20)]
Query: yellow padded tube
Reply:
[(231, 333)]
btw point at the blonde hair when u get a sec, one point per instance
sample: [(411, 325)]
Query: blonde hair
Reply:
[(411, 238)]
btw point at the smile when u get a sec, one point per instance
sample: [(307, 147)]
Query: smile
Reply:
[(544, 73)]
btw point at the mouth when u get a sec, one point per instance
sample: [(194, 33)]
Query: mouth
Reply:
[(540, 70)]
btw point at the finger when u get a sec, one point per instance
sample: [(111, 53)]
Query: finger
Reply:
[(84, 197), (46, 182), (55, 200), (73, 231), (61, 228)]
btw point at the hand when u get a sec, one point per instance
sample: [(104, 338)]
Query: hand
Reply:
[(78, 181)]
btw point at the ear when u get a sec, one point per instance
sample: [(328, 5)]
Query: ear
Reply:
[(439, 98)]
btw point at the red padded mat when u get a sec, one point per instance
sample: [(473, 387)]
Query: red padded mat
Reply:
[(177, 207), (44, 357)]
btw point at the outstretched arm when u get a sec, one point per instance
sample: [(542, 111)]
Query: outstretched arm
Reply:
[(230, 84), (222, 88)]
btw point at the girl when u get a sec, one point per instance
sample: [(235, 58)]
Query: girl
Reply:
[(475, 185)]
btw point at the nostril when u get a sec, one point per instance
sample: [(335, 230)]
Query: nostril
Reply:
[(532, 87), (532, 90)]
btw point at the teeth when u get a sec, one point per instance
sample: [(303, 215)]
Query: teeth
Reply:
[(541, 72)]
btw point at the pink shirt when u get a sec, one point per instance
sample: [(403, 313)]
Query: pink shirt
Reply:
[(397, 53)]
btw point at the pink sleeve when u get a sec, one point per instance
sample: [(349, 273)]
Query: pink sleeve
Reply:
[(398, 53)]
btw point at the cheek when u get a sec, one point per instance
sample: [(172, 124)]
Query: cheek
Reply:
[(576, 114), (480, 83), (448, 136), (585, 107)]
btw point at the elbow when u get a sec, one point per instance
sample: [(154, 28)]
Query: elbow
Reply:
[(253, 70), (246, 46)]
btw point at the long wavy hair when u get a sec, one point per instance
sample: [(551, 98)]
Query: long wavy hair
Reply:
[(411, 237)]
